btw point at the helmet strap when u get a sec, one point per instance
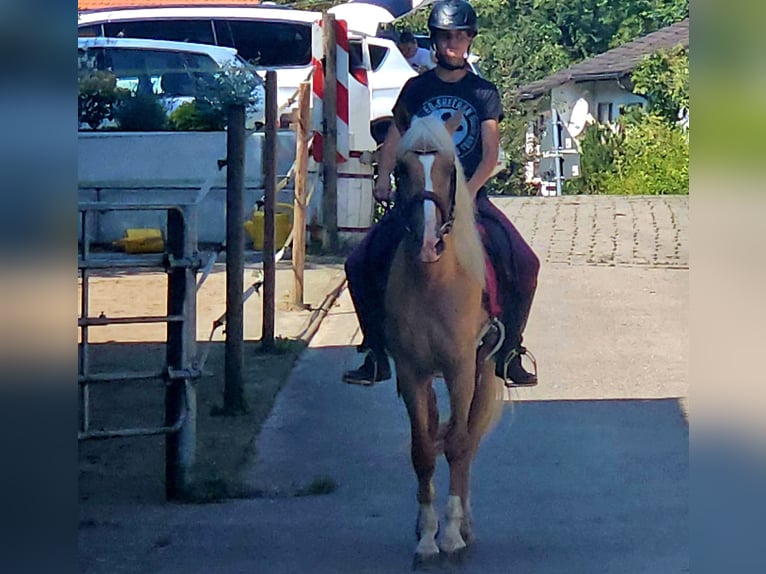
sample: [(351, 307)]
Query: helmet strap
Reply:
[(446, 65), (443, 63)]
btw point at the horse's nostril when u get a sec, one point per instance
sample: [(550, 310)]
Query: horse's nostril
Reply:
[(439, 247)]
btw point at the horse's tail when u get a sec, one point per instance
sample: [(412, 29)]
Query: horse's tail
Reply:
[(487, 403)]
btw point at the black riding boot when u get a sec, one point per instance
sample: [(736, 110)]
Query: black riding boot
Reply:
[(509, 368), (374, 369)]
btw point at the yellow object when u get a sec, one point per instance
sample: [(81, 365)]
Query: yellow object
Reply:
[(283, 215), (142, 241)]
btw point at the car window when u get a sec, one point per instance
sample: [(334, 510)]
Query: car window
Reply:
[(161, 72), (355, 58), (199, 31), (377, 55), (267, 44), (92, 31)]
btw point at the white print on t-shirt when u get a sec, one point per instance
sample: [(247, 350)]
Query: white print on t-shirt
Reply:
[(444, 107)]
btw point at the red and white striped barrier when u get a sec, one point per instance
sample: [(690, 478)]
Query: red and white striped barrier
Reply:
[(317, 88)]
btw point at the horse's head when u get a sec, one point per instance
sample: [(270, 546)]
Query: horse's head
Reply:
[(427, 177)]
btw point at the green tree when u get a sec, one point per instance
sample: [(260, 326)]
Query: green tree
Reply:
[(663, 79), (521, 41)]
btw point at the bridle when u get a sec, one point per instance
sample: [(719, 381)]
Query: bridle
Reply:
[(447, 211)]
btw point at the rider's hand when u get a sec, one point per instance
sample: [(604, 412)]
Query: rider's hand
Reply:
[(382, 190)]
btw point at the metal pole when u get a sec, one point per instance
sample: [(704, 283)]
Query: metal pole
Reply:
[(84, 310), (180, 396), (299, 205), (233, 395), (330, 136), (556, 148), (269, 203)]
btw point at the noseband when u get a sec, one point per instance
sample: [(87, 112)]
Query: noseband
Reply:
[(447, 211)]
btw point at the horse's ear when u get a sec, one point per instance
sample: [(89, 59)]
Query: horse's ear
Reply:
[(453, 123)]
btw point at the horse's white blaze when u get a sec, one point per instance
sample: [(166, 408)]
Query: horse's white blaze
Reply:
[(428, 526), (452, 541), (430, 224)]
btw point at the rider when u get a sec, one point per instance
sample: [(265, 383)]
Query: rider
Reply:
[(445, 90)]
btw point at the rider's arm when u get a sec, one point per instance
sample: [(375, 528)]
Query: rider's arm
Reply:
[(490, 147), (386, 163)]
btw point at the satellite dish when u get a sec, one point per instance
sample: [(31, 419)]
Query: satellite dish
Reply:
[(578, 118)]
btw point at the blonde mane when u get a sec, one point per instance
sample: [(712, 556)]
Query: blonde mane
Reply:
[(430, 133)]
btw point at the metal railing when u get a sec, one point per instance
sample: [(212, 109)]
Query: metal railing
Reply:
[(180, 261)]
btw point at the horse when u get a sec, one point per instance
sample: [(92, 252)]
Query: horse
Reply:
[(434, 319)]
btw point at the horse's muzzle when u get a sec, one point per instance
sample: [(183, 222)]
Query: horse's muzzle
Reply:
[(432, 244), (431, 252)]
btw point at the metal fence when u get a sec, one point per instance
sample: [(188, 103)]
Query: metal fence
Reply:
[(180, 261)]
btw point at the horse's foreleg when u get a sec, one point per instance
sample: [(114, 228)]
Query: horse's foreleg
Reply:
[(466, 527), (418, 398), (459, 450), (451, 541), (458, 446)]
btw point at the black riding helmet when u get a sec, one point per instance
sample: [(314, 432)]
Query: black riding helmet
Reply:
[(451, 15)]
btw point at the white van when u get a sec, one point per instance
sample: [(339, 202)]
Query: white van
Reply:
[(270, 37)]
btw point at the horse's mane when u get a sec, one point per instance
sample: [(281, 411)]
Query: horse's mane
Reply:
[(430, 133)]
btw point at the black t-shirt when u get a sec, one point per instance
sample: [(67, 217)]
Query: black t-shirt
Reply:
[(475, 97)]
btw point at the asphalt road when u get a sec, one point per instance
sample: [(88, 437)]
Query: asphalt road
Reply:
[(585, 473)]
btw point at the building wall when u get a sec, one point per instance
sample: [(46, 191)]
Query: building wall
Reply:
[(604, 92)]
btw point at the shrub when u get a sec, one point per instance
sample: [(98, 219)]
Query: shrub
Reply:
[(189, 118), (653, 158), (141, 113), (232, 85), (97, 93), (598, 149), (645, 156)]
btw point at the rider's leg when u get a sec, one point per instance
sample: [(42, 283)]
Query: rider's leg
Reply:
[(517, 268), (367, 272)]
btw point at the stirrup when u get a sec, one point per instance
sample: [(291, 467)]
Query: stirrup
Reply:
[(494, 324), (517, 352)]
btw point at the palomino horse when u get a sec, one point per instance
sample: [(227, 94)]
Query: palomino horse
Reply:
[(434, 319)]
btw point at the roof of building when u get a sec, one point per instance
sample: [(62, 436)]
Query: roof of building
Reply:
[(83, 5), (614, 63)]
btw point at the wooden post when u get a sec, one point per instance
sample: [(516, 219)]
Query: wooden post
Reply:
[(269, 203), (299, 204), (234, 393), (330, 136)]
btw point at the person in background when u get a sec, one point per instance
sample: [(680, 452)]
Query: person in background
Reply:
[(417, 57)]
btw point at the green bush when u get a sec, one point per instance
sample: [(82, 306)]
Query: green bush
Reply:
[(141, 113), (599, 148), (646, 156), (188, 117), (653, 158), (97, 96)]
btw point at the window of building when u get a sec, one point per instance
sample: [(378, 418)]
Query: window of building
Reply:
[(604, 112)]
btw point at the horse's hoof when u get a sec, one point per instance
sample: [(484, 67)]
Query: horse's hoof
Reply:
[(456, 557), (426, 561)]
